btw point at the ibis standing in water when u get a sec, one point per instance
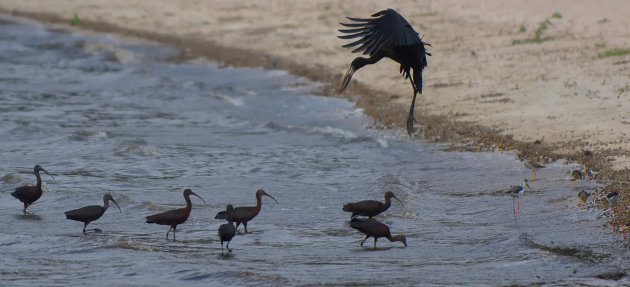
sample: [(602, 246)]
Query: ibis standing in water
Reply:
[(516, 192), (245, 214), (175, 216), (388, 35), (90, 213), (227, 231), (29, 194), (373, 228), (370, 208)]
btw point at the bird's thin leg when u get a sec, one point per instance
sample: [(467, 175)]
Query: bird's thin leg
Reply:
[(221, 246), (613, 222), (621, 222), (174, 231), (375, 239), (533, 174), (518, 203), (364, 239), (24, 210), (228, 247), (514, 208), (410, 118), (245, 226), (84, 226), (169, 231)]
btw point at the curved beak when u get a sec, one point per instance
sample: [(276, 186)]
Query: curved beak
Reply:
[(264, 193), (116, 203), (398, 200), (47, 173), (197, 196)]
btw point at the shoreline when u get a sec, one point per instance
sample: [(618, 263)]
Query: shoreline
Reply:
[(389, 108)]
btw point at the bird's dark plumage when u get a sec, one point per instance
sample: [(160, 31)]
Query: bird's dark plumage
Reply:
[(175, 216), (227, 231), (370, 208), (29, 194), (389, 35), (90, 213), (373, 228), (244, 214)]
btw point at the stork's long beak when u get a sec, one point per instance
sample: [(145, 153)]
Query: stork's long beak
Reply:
[(47, 173), (399, 200), (197, 196), (264, 193), (116, 203)]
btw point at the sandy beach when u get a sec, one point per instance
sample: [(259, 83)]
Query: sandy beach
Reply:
[(550, 80)]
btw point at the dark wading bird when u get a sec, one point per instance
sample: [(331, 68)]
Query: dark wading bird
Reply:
[(613, 201), (373, 228), (370, 208), (245, 214), (175, 216), (90, 213), (387, 35), (29, 194), (516, 192), (227, 231)]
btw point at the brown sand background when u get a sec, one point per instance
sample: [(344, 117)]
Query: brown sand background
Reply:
[(553, 95)]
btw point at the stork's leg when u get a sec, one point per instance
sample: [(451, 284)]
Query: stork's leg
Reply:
[(375, 239), (364, 239), (357, 64), (245, 226), (417, 77)]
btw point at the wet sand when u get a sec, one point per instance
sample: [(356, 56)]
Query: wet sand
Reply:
[(542, 78)]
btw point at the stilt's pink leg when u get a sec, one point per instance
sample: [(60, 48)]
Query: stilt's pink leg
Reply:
[(514, 208), (621, 222), (613, 222), (518, 200)]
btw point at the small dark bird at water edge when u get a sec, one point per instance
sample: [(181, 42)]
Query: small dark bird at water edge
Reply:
[(227, 231)]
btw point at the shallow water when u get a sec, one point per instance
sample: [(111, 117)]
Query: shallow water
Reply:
[(105, 115)]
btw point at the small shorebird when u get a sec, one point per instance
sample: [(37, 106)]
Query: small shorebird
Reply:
[(583, 196), (515, 192), (576, 175), (531, 164), (613, 200)]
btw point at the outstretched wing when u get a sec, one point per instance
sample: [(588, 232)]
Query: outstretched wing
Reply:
[(386, 29)]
